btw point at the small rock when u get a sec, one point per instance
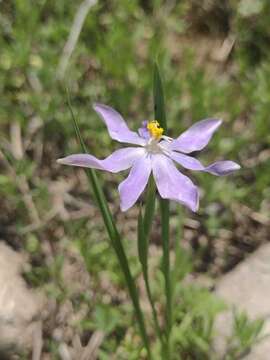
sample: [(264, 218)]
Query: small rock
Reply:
[(20, 308), (247, 287)]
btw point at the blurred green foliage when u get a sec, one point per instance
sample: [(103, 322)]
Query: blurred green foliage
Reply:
[(112, 63)]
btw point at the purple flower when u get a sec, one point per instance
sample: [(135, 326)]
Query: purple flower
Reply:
[(156, 153)]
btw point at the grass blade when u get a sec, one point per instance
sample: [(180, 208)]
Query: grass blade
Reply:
[(115, 238), (144, 229), (142, 242), (159, 102), (149, 207), (143, 254)]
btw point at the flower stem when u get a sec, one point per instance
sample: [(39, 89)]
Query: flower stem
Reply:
[(154, 313), (115, 241), (160, 116), (144, 229), (164, 205)]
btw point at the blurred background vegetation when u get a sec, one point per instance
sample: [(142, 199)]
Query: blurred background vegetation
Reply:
[(215, 61)]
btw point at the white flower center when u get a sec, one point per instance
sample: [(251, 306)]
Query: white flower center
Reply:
[(153, 147)]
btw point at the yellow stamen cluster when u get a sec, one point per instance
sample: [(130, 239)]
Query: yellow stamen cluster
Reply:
[(155, 130)]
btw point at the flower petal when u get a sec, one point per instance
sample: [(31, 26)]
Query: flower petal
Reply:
[(196, 137), (186, 161), (221, 168), (117, 126), (131, 188), (119, 160), (172, 184), (143, 131)]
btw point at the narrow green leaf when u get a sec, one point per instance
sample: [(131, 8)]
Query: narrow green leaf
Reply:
[(115, 239), (182, 261), (142, 243), (150, 203), (159, 103), (165, 223), (144, 229), (143, 257)]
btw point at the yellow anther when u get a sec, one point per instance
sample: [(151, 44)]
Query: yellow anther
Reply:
[(155, 130)]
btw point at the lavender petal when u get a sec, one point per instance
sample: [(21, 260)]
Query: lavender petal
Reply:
[(186, 161), (221, 168), (196, 137), (119, 160), (143, 131), (117, 126), (172, 184), (131, 188)]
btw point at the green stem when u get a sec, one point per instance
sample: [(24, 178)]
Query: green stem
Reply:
[(122, 258), (160, 116), (181, 264), (145, 229), (154, 313), (115, 241), (164, 205), (149, 207)]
